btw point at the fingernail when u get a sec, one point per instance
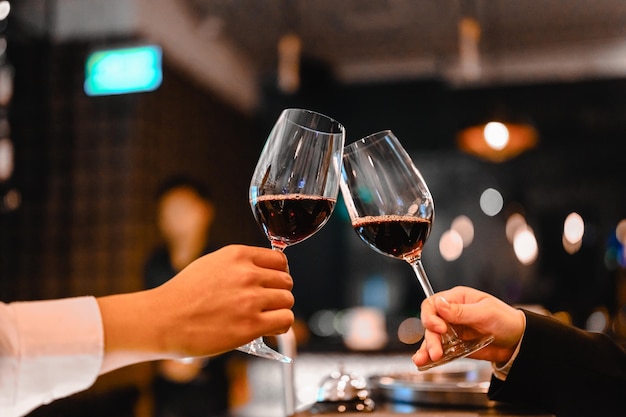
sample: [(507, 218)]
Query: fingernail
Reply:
[(444, 301)]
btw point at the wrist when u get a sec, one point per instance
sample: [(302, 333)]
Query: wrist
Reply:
[(501, 368), (130, 322), (132, 332), (152, 319)]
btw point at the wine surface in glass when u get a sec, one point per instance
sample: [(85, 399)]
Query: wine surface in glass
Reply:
[(291, 218), (397, 236)]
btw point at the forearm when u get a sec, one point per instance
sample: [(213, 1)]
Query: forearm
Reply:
[(133, 328)]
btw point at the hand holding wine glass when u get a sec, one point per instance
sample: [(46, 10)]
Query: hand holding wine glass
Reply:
[(392, 210), (295, 185)]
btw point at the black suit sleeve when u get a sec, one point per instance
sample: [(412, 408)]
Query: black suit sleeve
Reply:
[(566, 371)]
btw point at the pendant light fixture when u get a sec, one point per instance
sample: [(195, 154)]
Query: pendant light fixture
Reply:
[(497, 140)]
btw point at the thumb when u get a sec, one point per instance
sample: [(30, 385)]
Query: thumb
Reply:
[(450, 312)]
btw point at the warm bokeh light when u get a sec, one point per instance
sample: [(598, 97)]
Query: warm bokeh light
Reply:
[(364, 329), (514, 223), (496, 135), (500, 144), (11, 200), (6, 80), (573, 228), (289, 54), (450, 245), (6, 159), (563, 317), (525, 246), (619, 324), (491, 201), (469, 50), (410, 331), (620, 232), (570, 247), (464, 226)]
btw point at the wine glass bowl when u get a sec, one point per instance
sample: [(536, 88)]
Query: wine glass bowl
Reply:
[(294, 187), (392, 211), (291, 218)]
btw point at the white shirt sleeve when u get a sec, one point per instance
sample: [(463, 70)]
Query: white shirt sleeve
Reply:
[(48, 350)]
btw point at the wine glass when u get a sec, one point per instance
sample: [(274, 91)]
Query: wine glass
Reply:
[(295, 185), (392, 210)]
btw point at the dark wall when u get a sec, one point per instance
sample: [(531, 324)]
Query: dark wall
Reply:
[(87, 169)]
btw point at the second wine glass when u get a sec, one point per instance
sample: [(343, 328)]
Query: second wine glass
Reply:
[(392, 210), (295, 185)]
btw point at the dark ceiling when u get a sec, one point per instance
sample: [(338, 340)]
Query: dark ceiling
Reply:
[(231, 46), (363, 40)]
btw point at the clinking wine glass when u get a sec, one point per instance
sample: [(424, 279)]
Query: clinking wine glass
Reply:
[(295, 185), (392, 210)]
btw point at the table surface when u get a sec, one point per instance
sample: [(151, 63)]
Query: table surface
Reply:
[(268, 397), (397, 410)]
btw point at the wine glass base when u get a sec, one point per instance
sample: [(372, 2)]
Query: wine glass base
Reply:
[(263, 351), (459, 350)]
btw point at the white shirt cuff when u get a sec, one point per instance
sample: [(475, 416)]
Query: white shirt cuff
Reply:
[(501, 372), (60, 349)]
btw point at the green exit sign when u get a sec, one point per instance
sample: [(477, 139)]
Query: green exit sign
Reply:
[(123, 71)]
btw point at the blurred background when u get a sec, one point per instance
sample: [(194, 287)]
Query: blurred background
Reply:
[(535, 215)]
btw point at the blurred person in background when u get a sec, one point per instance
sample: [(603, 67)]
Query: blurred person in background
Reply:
[(185, 213), (537, 360)]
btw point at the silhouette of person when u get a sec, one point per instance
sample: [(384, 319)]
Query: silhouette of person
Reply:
[(188, 387)]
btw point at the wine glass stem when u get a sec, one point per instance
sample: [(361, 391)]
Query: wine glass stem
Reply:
[(450, 337), (278, 247)]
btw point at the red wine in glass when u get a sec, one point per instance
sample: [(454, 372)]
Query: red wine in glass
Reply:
[(290, 218), (397, 236), (295, 184), (392, 210)]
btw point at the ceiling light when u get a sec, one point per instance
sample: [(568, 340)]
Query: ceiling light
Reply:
[(469, 52), (497, 141), (289, 51)]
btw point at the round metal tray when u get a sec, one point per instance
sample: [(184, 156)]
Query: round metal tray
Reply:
[(459, 383)]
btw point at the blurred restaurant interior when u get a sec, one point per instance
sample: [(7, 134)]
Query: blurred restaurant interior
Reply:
[(537, 221)]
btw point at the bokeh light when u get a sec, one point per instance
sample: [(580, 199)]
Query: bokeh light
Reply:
[(620, 232), (525, 246), (464, 226), (410, 331), (5, 9), (450, 245), (11, 201), (365, 329), (570, 247), (514, 223), (496, 135), (6, 159), (322, 323), (491, 202), (615, 253), (598, 321), (563, 317), (573, 228)]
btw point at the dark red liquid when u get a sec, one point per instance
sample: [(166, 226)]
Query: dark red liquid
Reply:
[(291, 218), (397, 236)]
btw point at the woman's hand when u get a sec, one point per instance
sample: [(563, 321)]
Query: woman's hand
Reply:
[(473, 314)]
